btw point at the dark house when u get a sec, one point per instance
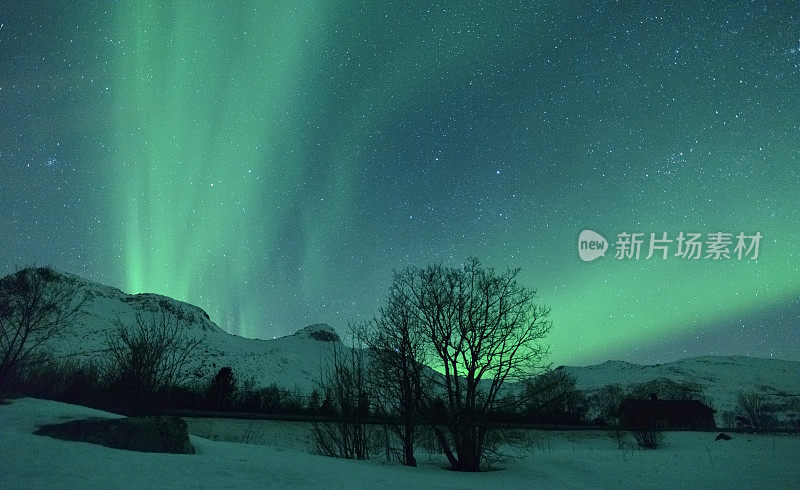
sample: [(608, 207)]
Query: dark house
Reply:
[(667, 414)]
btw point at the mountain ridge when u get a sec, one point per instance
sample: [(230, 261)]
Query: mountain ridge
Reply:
[(297, 361)]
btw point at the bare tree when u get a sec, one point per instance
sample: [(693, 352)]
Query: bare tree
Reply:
[(221, 391), (606, 401), (397, 372), (753, 405), (36, 304), (148, 358), (553, 398), (347, 435), (483, 328)]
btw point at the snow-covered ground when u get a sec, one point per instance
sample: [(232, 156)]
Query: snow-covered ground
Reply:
[(585, 459)]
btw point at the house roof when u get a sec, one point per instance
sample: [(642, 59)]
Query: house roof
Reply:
[(666, 405)]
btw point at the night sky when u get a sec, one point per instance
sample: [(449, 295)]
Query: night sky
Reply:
[(273, 162)]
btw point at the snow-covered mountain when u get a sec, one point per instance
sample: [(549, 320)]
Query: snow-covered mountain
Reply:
[(293, 362), (297, 361), (720, 378)]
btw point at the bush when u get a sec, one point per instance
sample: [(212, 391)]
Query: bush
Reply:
[(147, 360), (67, 380), (649, 437), (616, 432), (345, 385)]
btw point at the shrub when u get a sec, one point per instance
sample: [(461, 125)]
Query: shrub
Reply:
[(147, 360), (649, 437)]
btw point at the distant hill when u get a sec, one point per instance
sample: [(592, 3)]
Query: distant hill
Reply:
[(293, 362), (721, 378)]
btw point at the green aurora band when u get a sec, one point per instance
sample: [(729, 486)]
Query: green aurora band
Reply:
[(224, 115)]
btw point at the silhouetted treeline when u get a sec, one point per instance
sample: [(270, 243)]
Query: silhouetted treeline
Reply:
[(89, 384), (86, 383)]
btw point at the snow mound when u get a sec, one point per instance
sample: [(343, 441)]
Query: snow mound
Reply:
[(558, 460)]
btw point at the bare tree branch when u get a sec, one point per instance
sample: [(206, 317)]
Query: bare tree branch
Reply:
[(148, 357), (481, 329), (36, 305)]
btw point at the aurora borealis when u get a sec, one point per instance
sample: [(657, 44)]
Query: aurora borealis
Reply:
[(273, 162)]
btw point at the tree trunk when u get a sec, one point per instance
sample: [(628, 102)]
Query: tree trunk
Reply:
[(408, 445), (468, 458), (445, 447)]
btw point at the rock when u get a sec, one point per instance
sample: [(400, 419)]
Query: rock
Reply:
[(723, 437), (321, 332), (145, 434)]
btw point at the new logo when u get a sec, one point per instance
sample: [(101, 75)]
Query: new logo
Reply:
[(591, 245)]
